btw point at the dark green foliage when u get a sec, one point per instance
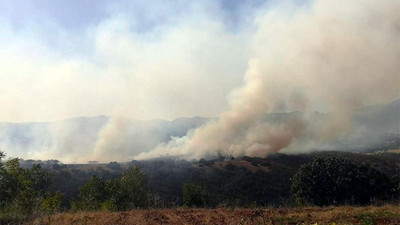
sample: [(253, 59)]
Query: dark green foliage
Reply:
[(230, 184), (240, 186), (21, 189), (7, 184), (128, 192), (91, 195), (134, 188), (194, 195), (335, 181), (53, 203), (115, 196)]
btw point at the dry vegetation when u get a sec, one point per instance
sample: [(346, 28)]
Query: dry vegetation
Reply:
[(388, 214)]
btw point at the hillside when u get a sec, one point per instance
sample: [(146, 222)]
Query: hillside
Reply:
[(73, 140), (230, 182), (244, 190)]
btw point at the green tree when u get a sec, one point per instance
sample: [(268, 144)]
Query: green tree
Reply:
[(21, 189), (40, 179), (115, 197), (91, 195), (336, 181), (7, 191), (134, 188), (130, 191), (53, 203), (194, 195)]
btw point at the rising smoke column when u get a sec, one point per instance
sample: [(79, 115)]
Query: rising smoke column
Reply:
[(335, 55)]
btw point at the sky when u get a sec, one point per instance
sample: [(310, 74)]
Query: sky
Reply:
[(139, 59), (234, 61)]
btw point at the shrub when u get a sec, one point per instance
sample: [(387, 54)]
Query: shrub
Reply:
[(109, 205), (52, 203), (134, 188), (194, 195), (335, 181), (91, 195)]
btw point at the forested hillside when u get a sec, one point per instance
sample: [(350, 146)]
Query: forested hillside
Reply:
[(33, 188), (229, 181)]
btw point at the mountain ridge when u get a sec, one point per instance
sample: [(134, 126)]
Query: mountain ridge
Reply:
[(73, 137)]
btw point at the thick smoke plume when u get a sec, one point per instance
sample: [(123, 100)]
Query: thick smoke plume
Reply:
[(335, 56), (110, 140)]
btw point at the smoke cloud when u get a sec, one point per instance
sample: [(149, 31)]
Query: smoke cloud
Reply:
[(261, 70), (335, 56)]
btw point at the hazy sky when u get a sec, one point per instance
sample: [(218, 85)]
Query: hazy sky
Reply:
[(231, 60), (140, 59)]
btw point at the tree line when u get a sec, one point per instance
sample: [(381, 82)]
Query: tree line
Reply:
[(322, 181)]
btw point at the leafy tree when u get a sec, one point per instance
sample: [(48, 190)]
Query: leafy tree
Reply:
[(6, 184), (194, 195), (26, 202), (53, 203), (21, 190), (335, 181), (115, 196), (91, 195), (40, 178), (109, 205), (130, 191), (134, 188)]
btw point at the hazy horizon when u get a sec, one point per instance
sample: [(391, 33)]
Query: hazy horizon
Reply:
[(235, 61)]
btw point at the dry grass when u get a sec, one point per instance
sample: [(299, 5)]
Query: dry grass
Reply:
[(388, 214)]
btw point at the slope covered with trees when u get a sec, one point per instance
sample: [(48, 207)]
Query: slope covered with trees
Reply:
[(324, 178)]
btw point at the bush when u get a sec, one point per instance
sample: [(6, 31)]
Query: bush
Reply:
[(22, 189), (109, 205), (91, 195), (128, 192), (134, 188), (194, 195), (53, 203), (336, 181)]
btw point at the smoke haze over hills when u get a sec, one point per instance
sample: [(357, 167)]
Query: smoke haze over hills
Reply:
[(74, 140), (334, 54), (261, 69)]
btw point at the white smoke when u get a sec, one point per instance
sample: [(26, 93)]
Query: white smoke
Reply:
[(335, 56), (329, 56)]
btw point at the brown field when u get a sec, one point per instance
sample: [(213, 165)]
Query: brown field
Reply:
[(389, 214)]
